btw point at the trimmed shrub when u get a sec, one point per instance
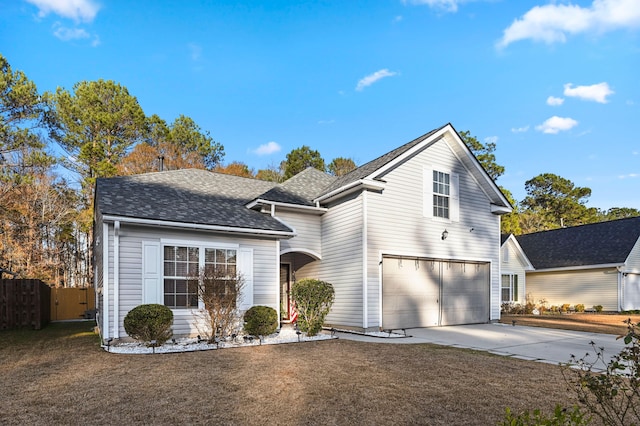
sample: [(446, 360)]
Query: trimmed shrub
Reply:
[(598, 308), (260, 321), (149, 322), (313, 299)]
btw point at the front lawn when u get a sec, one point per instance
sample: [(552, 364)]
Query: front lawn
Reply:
[(59, 375)]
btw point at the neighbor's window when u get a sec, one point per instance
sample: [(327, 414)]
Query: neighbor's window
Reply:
[(509, 288), (441, 194)]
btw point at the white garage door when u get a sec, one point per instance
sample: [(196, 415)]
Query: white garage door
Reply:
[(431, 292)]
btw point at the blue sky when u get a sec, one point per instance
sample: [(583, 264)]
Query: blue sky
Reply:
[(553, 83)]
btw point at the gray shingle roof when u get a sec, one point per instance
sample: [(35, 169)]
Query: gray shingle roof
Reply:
[(592, 244), (373, 165), (186, 196), (301, 188)]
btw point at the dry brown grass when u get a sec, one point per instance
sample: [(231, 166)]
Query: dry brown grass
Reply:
[(59, 375), (611, 323)]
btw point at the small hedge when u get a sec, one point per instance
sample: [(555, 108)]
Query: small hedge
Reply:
[(313, 299), (260, 321), (149, 322)]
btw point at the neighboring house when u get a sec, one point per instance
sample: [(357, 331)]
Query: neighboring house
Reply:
[(514, 265), (594, 264), (409, 239)]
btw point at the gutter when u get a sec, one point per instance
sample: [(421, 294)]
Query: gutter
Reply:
[(315, 209), (351, 188), (580, 267), (184, 225)]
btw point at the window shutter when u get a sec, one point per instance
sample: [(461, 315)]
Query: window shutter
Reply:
[(245, 268), (427, 192), (152, 289), (455, 198)]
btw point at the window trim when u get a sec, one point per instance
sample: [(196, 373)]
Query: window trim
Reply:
[(513, 285), (428, 193), (201, 246)]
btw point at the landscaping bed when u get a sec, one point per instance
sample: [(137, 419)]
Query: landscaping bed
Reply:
[(608, 323), (60, 375)]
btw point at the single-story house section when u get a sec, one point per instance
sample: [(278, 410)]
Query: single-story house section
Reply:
[(594, 264), (410, 239), (514, 265)]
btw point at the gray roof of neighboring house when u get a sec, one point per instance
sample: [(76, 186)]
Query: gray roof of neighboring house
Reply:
[(593, 244), (187, 196), (301, 188)]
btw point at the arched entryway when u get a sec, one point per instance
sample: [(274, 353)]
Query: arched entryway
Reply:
[(290, 261)]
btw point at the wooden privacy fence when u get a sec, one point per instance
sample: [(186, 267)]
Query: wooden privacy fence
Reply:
[(72, 303), (24, 303)]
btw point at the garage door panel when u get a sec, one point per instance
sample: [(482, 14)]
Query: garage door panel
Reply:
[(410, 294), (465, 293), (428, 292)]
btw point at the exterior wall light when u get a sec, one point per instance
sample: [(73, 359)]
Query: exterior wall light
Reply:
[(445, 234)]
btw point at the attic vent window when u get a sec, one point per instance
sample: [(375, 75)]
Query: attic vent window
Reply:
[(441, 194)]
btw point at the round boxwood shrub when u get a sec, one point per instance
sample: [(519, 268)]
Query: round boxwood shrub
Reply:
[(313, 299), (149, 322), (260, 321)]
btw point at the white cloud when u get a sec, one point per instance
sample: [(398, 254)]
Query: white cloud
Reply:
[(372, 78), (78, 10), (445, 5), (326, 121), (629, 176), (267, 148), (595, 92), (552, 23), (491, 139), (520, 129), (553, 101), (195, 51), (66, 34), (556, 124), (397, 19)]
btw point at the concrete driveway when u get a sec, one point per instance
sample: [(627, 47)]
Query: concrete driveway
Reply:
[(528, 343)]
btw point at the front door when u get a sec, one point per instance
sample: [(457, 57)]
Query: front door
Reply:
[(285, 288)]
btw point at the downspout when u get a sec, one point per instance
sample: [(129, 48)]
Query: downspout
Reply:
[(620, 289), (278, 286), (105, 282), (365, 257), (116, 279)]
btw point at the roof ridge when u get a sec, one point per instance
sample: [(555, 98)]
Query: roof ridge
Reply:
[(582, 225)]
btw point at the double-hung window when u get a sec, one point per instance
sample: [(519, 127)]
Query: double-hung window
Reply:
[(182, 272), (509, 288), (441, 194)]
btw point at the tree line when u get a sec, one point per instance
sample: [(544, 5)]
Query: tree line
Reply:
[(100, 130)]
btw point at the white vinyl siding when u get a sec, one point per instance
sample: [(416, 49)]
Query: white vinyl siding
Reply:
[(514, 265), (397, 224), (341, 263), (633, 260), (132, 240), (589, 287), (308, 228)]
